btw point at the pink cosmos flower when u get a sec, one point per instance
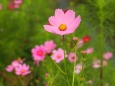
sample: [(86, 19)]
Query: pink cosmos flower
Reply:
[(89, 50), (107, 55), (96, 63), (22, 70), (9, 68), (58, 55), (38, 53), (49, 46), (78, 68), (63, 23), (72, 57), (13, 65)]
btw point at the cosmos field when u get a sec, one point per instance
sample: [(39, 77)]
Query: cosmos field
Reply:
[(57, 43)]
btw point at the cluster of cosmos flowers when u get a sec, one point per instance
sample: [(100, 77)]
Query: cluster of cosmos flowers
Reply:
[(18, 67), (14, 4), (62, 23), (97, 62)]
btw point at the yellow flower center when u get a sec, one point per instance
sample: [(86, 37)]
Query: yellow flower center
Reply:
[(62, 27)]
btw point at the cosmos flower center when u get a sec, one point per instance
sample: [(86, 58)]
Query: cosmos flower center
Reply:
[(59, 56), (73, 57), (22, 71), (40, 53), (62, 27)]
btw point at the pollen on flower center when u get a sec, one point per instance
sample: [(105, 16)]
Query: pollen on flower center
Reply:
[(62, 27)]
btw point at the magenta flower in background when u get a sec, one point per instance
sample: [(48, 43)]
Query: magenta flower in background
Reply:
[(107, 55), (58, 55), (49, 46), (89, 50), (78, 68), (9, 68), (72, 57), (38, 53), (63, 23), (22, 70)]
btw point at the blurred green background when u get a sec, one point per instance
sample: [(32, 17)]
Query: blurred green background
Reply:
[(21, 29)]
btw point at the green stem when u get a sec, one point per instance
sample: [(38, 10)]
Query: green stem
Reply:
[(60, 69), (74, 69), (21, 81), (65, 63)]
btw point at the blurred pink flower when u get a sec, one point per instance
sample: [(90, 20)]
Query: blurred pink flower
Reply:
[(104, 63), (16, 6), (46, 75), (96, 63), (9, 68), (107, 55), (72, 57), (78, 68), (75, 39), (22, 70), (13, 65), (49, 46), (0, 6), (17, 1), (63, 23), (89, 50), (80, 43), (58, 55), (38, 53), (46, 84)]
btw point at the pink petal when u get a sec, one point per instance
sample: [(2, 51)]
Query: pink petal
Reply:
[(53, 21), (69, 16), (73, 26), (48, 28), (59, 15)]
